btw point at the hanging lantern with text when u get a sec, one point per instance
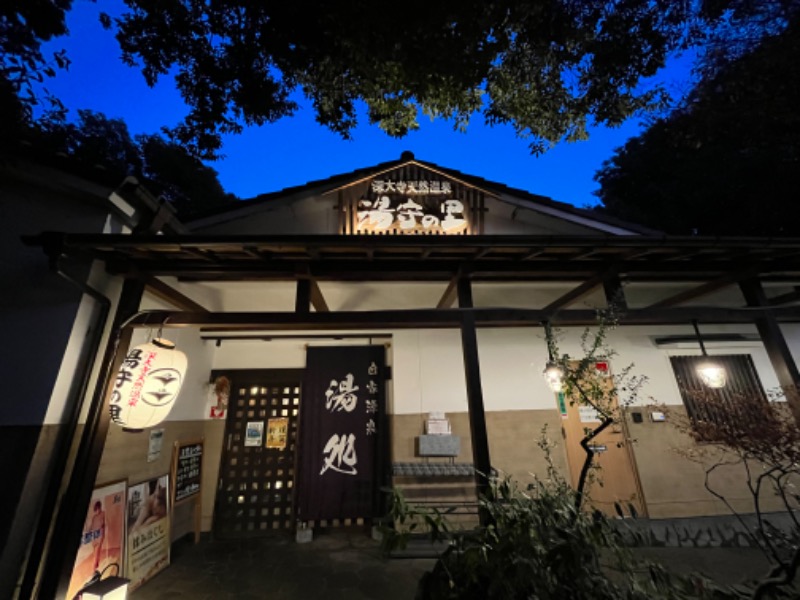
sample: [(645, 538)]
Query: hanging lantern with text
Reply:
[(147, 384)]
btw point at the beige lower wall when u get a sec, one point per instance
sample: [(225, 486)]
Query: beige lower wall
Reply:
[(125, 457), (513, 440), (672, 484)]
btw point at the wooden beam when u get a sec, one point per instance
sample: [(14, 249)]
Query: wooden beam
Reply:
[(472, 375), (785, 298), (447, 318), (169, 294), (302, 300), (775, 344), (402, 267), (575, 294), (317, 299), (703, 290), (449, 296)]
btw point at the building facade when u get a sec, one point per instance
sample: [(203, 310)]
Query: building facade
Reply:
[(453, 279)]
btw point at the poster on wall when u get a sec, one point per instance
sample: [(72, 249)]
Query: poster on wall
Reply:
[(254, 434), (155, 444), (221, 393), (277, 430), (341, 424), (148, 530), (103, 538)]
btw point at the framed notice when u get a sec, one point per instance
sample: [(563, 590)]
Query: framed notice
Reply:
[(148, 529), (103, 537), (276, 432), (187, 469)]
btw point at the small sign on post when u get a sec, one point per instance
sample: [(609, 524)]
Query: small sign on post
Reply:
[(187, 473)]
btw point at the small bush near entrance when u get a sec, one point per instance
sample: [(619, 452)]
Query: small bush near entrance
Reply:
[(537, 545)]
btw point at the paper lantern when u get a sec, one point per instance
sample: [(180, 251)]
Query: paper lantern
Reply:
[(147, 385)]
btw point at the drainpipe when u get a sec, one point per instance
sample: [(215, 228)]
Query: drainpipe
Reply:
[(83, 374)]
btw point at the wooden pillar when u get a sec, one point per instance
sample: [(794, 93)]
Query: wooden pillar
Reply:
[(302, 301), (472, 373), (775, 344), (615, 293), (70, 518)]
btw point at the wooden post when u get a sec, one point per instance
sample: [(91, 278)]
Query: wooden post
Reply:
[(472, 373), (775, 344), (59, 558)]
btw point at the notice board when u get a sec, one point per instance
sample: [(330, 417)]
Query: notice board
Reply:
[(187, 469), (187, 473)]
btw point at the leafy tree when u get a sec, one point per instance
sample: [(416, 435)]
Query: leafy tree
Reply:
[(584, 385), (728, 161), (547, 68), (24, 25), (179, 177), (98, 142), (762, 441)]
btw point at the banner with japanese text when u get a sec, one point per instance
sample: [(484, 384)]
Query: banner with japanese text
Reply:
[(340, 429)]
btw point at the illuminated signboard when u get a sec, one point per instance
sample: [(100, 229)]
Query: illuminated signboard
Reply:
[(419, 206)]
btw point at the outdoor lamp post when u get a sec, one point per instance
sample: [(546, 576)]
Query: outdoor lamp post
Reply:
[(711, 373)]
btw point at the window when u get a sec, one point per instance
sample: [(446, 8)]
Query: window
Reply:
[(711, 410)]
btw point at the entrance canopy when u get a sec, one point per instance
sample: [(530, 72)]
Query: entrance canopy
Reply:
[(700, 267)]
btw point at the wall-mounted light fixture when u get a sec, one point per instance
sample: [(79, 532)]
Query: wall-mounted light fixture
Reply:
[(110, 588), (711, 373), (553, 373)]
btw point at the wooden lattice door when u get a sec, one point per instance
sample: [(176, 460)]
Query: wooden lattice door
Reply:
[(255, 493)]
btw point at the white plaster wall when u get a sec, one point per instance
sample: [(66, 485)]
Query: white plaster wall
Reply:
[(428, 368), (791, 332), (428, 371)]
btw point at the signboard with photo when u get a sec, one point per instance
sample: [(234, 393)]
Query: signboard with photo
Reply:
[(103, 538), (148, 530)]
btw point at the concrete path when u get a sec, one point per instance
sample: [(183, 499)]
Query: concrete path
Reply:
[(335, 566), (345, 565)]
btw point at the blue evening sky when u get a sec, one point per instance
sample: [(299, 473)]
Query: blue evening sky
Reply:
[(296, 150)]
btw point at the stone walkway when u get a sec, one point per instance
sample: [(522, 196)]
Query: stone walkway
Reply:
[(350, 565), (334, 566)]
